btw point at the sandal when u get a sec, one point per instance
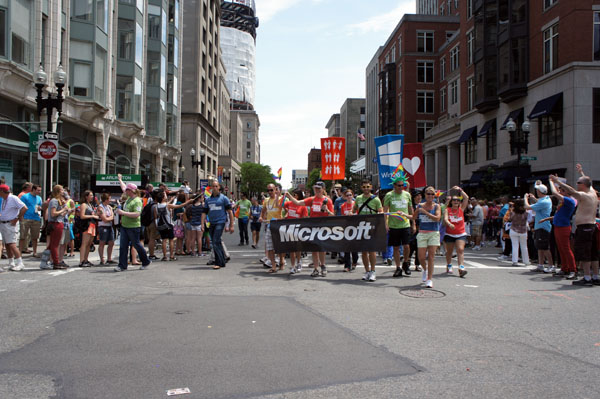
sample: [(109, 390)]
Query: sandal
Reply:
[(164, 259), (173, 259), (272, 271), (216, 267)]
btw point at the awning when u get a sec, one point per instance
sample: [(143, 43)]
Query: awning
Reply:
[(467, 134), (514, 115), (475, 180), (546, 106), (486, 128)]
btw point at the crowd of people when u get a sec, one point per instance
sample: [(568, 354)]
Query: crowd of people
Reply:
[(556, 227)]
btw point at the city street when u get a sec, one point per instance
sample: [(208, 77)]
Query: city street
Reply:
[(502, 331)]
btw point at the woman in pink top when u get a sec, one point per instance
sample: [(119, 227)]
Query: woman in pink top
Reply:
[(456, 236)]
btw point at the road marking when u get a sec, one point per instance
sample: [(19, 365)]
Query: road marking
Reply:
[(476, 265), (61, 272), (27, 281)]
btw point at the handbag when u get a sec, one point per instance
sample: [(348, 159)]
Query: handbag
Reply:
[(178, 229)]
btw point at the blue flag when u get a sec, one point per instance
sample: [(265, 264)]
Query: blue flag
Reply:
[(389, 156)]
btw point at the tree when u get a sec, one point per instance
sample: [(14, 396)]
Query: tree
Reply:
[(315, 176), (255, 177)]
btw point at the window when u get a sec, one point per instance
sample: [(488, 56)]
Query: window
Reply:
[(442, 68), (176, 52), (153, 74), (163, 72), (596, 36), (454, 58), (139, 44), (550, 130), (400, 75), (21, 32), (443, 9), (422, 128), (470, 93), (471, 150), (100, 76), (596, 115), (126, 39), (469, 8), (454, 92), (176, 14), (175, 90), (443, 100), (44, 35), (549, 3), (152, 116), (399, 46), (164, 27), (137, 100), (248, 155), (82, 77), (491, 142), (140, 5), (425, 71), (2, 32), (362, 123), (247, 144), (470, 46), (124, 88), (102, 15), (425, 102), (249, 136), (393, 53), (425, 42), (551, 48), (153, 22), (82, 9)]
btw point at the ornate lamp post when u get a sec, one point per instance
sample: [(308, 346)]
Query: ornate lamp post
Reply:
[(197, 163), (519, 140), (40, 81)]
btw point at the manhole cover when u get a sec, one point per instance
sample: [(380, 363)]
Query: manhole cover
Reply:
[(419, 293)]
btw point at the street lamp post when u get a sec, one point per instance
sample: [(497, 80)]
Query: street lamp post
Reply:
[(226, 178), (519, 140), (50, 103), (238, 180), (197, 163)]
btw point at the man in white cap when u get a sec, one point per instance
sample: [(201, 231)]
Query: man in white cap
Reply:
[(11, 211), (541, 229)]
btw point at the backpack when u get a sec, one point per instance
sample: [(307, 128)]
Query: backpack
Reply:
[(146, 215), (162, 220)]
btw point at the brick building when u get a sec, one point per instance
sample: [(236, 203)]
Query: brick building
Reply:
[(314, 160)]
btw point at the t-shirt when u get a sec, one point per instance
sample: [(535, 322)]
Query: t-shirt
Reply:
[(10, 208), (315, 204), (273, 207), (503, 210), (32, 201), (426, 224), (216, 207), (398, 202), (244, 207), (477, 216), (346, 208), (108, 212), (132, 205), (562, 217), (371, 207), (337, 205), (55, 205), (255, 212), (542, 210), (295, 211), (457, 218)]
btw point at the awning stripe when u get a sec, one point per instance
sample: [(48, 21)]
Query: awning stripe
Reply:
[(467, 134), (545, 106)]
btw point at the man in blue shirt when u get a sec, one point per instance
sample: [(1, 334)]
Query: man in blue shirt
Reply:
[(541, 229), (217, 207), (31, 225)]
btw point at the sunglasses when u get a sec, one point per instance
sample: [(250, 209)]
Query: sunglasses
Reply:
[(348, 195), (366, 186), (269, 190), (429, 193), (456, 200), (399, 185)]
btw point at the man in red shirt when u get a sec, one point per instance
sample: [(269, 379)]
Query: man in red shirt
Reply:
[(320, 206)]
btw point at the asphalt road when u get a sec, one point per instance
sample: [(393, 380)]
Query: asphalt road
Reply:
[(239, 332)]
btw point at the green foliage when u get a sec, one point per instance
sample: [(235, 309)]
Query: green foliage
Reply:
[(313, 177), (255, 177), (492, 187)]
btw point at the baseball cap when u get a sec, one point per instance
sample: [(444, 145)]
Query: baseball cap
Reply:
[(131, 186), (5, 188), (338, 186), (319, 184), (541, 187)]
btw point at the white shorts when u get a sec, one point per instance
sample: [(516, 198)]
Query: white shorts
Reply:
[(196, 228), (9, 233)]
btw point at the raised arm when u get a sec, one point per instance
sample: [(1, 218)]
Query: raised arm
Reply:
[(572, 192), (123, 185), (555, 192)]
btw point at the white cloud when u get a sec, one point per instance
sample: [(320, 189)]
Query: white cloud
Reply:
[(266, 9), (385, 22)]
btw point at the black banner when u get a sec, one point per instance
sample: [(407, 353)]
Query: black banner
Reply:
[(359, 233)]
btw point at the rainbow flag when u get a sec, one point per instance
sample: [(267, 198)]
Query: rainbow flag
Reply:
[(207, 192), (398, 169), (279, 172)]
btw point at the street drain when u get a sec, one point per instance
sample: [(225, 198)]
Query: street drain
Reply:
[(419, 293)]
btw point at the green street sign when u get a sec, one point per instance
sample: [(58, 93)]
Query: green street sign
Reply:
[(113, 180), (33, 140), (529, 158)]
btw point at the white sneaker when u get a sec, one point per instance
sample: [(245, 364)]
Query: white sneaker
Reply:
[(515, 264), (372, 276), (547, 269), (268, 263), (17, 268), (293, 270), (503, 257), (477, 248), (298, 267), (429, 284), (539, 269), (449, 269), (424, 275), (553, 269), (118, 269), (366, 276), (264, 259)]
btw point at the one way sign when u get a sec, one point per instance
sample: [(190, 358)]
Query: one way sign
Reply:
[(50, 136)]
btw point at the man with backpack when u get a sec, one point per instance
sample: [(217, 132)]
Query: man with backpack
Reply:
[(367, 204)]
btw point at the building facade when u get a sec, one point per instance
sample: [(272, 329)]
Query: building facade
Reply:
[(352, 122), (299, 178), (314, 160), (118, 56), (333, 126), (372, 117)]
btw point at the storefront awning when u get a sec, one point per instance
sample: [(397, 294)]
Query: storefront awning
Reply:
[(486, 128), (546, 106), (514, 115), (467, 134)]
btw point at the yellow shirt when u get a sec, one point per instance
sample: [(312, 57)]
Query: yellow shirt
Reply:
[(273, 207)]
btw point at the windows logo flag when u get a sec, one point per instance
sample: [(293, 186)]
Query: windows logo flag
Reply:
[(389, 156)]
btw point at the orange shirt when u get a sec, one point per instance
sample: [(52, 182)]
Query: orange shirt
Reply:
[(315, 205), (295, 211), (347, 208)]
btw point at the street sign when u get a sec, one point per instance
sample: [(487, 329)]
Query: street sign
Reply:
[(113, 180), (47, 150), (34, 137), (529, 158), (50, 136)]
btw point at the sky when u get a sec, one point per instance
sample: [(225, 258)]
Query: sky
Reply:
[(310, 56)]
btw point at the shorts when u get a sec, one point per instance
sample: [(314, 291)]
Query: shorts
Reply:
[(91, 230), (451, 240), (268, 240), (542, 239), (255, 226), (430, 239), (195, 227), (476, 230), (166, 234), (398, 237), (188, 226), (106, 234), (152, 232), (9, 233), (66, 237), (30, 230), (586, 243)]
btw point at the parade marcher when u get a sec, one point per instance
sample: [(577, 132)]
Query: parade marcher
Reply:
[(296, 212), (456, 237), (397, 205), (255, 225), (586, 240), (11, 212), (542, 209), (428, 240), (217, 207), (32, 222), (350, 258), (242, 212), (106, 234), (368, 204), (518, 232), (130, 227), (416, 200), (87, 213), (271, 210), (561, 222), (320, 206)]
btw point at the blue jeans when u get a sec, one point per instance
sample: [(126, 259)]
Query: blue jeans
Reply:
[(216, 231), (131, 235), (243, 226)]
